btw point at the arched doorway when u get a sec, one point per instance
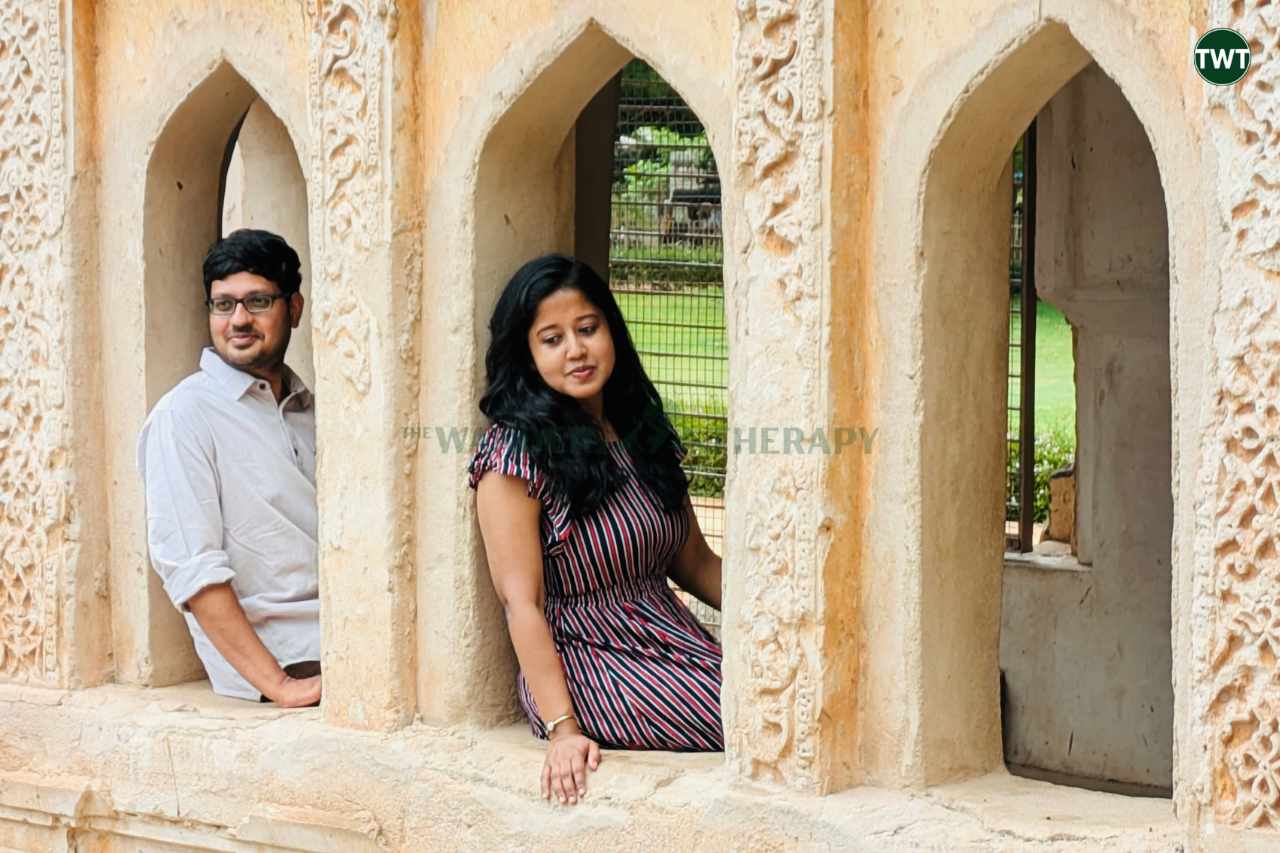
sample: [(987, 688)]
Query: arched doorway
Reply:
[(965, 293)]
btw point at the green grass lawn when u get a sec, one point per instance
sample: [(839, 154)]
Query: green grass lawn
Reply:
[(676, 358), (1055, 372), (681, 338)]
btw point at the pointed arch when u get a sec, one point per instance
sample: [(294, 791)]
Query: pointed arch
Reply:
[(526, 136), (181, 206), (953, 143), (180, 221), (508, 180)]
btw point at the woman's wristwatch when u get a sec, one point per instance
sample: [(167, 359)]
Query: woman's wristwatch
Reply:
[(551, 726)]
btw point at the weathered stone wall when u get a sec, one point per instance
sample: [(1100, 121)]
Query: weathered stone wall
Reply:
[(863, 148), (179, 769)]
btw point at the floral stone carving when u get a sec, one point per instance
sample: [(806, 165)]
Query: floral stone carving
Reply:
[(1243, 704), (36, 532), (348, 168), (779, 121)]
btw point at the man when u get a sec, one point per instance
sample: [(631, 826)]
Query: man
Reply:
[(229, 457)]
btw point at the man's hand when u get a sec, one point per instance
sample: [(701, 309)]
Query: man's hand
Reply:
[(219, 613), (295, 692)]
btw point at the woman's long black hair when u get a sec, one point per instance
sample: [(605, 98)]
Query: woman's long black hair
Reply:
[(559, 434)]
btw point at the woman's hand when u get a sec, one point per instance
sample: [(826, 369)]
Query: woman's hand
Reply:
[(564, 773), (509, 524)]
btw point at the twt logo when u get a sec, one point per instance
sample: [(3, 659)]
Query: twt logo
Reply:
[(1222, 57)]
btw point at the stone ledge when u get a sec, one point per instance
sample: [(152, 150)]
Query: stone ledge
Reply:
[(184, 767), (1044, 562), (68, 798)]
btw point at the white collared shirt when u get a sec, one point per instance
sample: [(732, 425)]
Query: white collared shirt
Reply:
[(231, 496)]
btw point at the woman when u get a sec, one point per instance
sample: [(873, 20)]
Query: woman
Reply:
[(584, 517)]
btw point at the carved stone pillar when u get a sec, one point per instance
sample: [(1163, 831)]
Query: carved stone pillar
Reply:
[(1238, 603), (774, 670), (54, 612), (366, 306)]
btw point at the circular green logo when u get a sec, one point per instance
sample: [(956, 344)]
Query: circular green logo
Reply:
[(1221, 57)]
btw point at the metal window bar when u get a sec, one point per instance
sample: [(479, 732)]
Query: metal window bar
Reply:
[(666, 257), (1020, 405), (614, 264)]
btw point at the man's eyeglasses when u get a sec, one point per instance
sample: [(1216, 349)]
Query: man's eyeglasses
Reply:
[(256, 303)]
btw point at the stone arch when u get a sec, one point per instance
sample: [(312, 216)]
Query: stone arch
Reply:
[(513, 162), (185, 174), (549, 100), (182, 204), (264, 187), (956, 141)]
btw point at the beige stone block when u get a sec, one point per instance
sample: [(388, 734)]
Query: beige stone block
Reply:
[(1062, 507)]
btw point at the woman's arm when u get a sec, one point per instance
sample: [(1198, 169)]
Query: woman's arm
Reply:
[(696, 568), (509, 520)]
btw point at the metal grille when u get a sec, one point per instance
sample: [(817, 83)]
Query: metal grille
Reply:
[(1012, 485), (1020, 401), (666, 258)]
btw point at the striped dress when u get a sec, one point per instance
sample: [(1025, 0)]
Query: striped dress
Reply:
[(642, 673)]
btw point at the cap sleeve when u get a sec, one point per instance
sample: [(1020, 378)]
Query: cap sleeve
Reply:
[(503, 449)]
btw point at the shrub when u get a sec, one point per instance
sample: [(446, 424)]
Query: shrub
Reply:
[(634, 267), (706, 441), (1055, 449)]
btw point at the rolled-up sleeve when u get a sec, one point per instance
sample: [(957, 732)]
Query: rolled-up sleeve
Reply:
[(184, 514)]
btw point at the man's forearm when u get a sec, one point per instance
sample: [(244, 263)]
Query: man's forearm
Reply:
[(219, 613)]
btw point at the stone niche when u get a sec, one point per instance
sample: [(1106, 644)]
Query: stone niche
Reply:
[(1085, 647)]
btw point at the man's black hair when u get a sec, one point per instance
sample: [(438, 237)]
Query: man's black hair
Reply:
[(254, 251)]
